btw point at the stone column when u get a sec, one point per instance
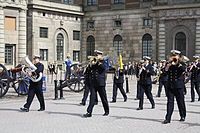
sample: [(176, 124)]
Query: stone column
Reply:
[(161, 45), (22, 35), (2, 45), (197, 44)]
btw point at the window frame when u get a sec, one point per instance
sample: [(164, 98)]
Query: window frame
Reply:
[(118, 1), (90, 46), (118, 44), (41, 32), (60, 47), (147, 40), (91, 2), (76, 35), (11, 62), (75, 52), (148, 22), (42, 54)]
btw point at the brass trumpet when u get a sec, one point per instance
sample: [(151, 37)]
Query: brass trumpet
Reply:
[(95, 59)]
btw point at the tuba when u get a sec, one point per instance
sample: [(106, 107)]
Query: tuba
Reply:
[(28, 67)]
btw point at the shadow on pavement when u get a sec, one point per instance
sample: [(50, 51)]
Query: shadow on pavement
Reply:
[(132, 108), (192, 112), (67, 104), (9, 109), (191, 124), (136, 118), (64, 113)]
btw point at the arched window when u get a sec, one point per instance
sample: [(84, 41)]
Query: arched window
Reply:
[(147, 45), (180, 42), (90, 45), (60, 47), (117, 44)]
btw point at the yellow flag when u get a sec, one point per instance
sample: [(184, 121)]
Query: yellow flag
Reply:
[(120, 62)]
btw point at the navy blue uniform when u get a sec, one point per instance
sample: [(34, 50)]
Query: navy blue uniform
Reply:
[(118, 83), (145, 83), (36, 88), (195, 80), (87, 82), (175, 88), (98, 83), (162, 81)]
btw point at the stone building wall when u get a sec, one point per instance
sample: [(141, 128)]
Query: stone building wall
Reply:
[(132, 31), (59, 18), (16, 38)]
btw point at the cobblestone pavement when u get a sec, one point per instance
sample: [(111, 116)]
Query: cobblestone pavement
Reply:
[(65, 116)]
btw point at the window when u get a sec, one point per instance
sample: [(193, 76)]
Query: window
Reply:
[(180, 42), (117, 44), (10, 23), (147, 22), (44, 54), (117, 23), (147, 45), (9, 55), (90, 25), (91, 2), (76, 35), (90, 45), (13, 0), (43, 32), (118, 1), (76, 55), (60, 47)]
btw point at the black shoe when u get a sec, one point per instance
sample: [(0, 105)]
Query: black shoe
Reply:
[(192, 101), (139, 108), (41, 109), (24, 109), (112, 101), (136, 99), (106, 114), (125, 99), (82, 103), (199, 99), (182, 119), (166, 122), (87, 115), (153, 107)]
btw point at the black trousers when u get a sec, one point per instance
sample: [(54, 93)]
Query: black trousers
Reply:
[(138, 91), (31, 94), (147, 90), (86, 93), (161, 84), (102, 93), (194, 85), (115, 87), (178, 93)]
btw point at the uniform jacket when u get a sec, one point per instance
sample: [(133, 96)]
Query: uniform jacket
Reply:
[(176, 76), (195, 73), (119, 76), (145, 75), (163, 75), (98, 75)]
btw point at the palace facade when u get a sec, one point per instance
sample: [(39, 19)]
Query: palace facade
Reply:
[(133, 28)]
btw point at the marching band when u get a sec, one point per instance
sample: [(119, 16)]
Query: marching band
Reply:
[(173, 74)]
